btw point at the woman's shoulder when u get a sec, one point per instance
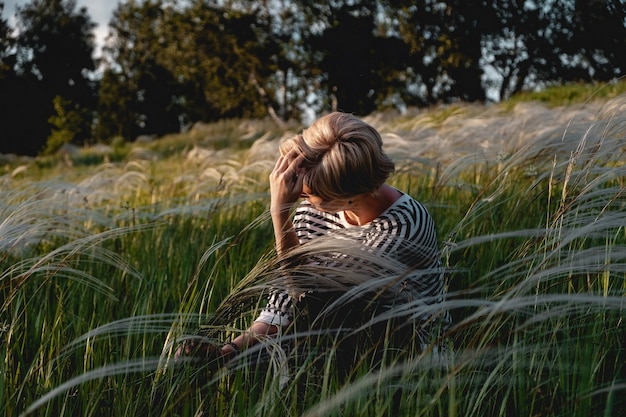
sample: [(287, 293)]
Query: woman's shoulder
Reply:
[(406, 209)]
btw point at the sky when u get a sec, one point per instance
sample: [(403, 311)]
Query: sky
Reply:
[(99, 10)]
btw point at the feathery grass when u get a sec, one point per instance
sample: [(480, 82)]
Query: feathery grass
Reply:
[(104, 272)]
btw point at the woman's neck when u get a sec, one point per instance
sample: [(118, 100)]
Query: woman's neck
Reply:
[(366, 208)]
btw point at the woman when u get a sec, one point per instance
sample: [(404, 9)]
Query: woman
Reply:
[(337, 166), (387, 239)]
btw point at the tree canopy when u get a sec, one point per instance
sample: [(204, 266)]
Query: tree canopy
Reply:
[(51, 57), (170, 63)]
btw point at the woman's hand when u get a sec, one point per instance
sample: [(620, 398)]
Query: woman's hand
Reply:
[(285, 190), (286, 181), (248, 338)]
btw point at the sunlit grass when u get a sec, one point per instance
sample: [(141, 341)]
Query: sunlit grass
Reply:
[(104, 269), (572, 94)]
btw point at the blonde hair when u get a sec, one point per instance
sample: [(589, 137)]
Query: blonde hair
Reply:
[(343, 157)]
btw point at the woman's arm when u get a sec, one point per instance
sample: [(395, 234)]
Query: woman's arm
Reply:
[(284, 232), (247, 339), (285, 190)]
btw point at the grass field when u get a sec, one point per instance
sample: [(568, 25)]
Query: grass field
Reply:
[(108, 257)]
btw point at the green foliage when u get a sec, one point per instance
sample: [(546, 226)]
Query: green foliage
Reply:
[(6, 42), (170, 64), (356, 61), (54, 55), (116, 117), (68, 124), (208, 64), (570, 94)]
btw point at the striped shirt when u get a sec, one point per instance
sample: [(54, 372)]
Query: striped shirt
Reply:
[(404, 233)]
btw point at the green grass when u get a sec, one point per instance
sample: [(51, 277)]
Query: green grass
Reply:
[(571, 94), (103, 267)]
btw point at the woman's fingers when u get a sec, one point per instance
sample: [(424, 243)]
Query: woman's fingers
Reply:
[(285, 180), (288, 167), (289, 161)]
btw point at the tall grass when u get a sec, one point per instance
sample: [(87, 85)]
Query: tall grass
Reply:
[(102, 276)]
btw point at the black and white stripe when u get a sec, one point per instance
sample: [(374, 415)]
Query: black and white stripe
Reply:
[(404, 233)]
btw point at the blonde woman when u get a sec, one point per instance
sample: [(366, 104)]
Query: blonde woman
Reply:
[(369, 275), (335, 174)]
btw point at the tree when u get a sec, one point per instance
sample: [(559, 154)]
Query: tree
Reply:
[(293, 79), (599, 28), (531, 46), (445, 40), (54, 55), (290, 82), (355, 62), (67, 124), (178, 65), (116, 114), (234, 55), (137, 94), (465, 22), (6, 44), (170, 63), (11, 86)]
